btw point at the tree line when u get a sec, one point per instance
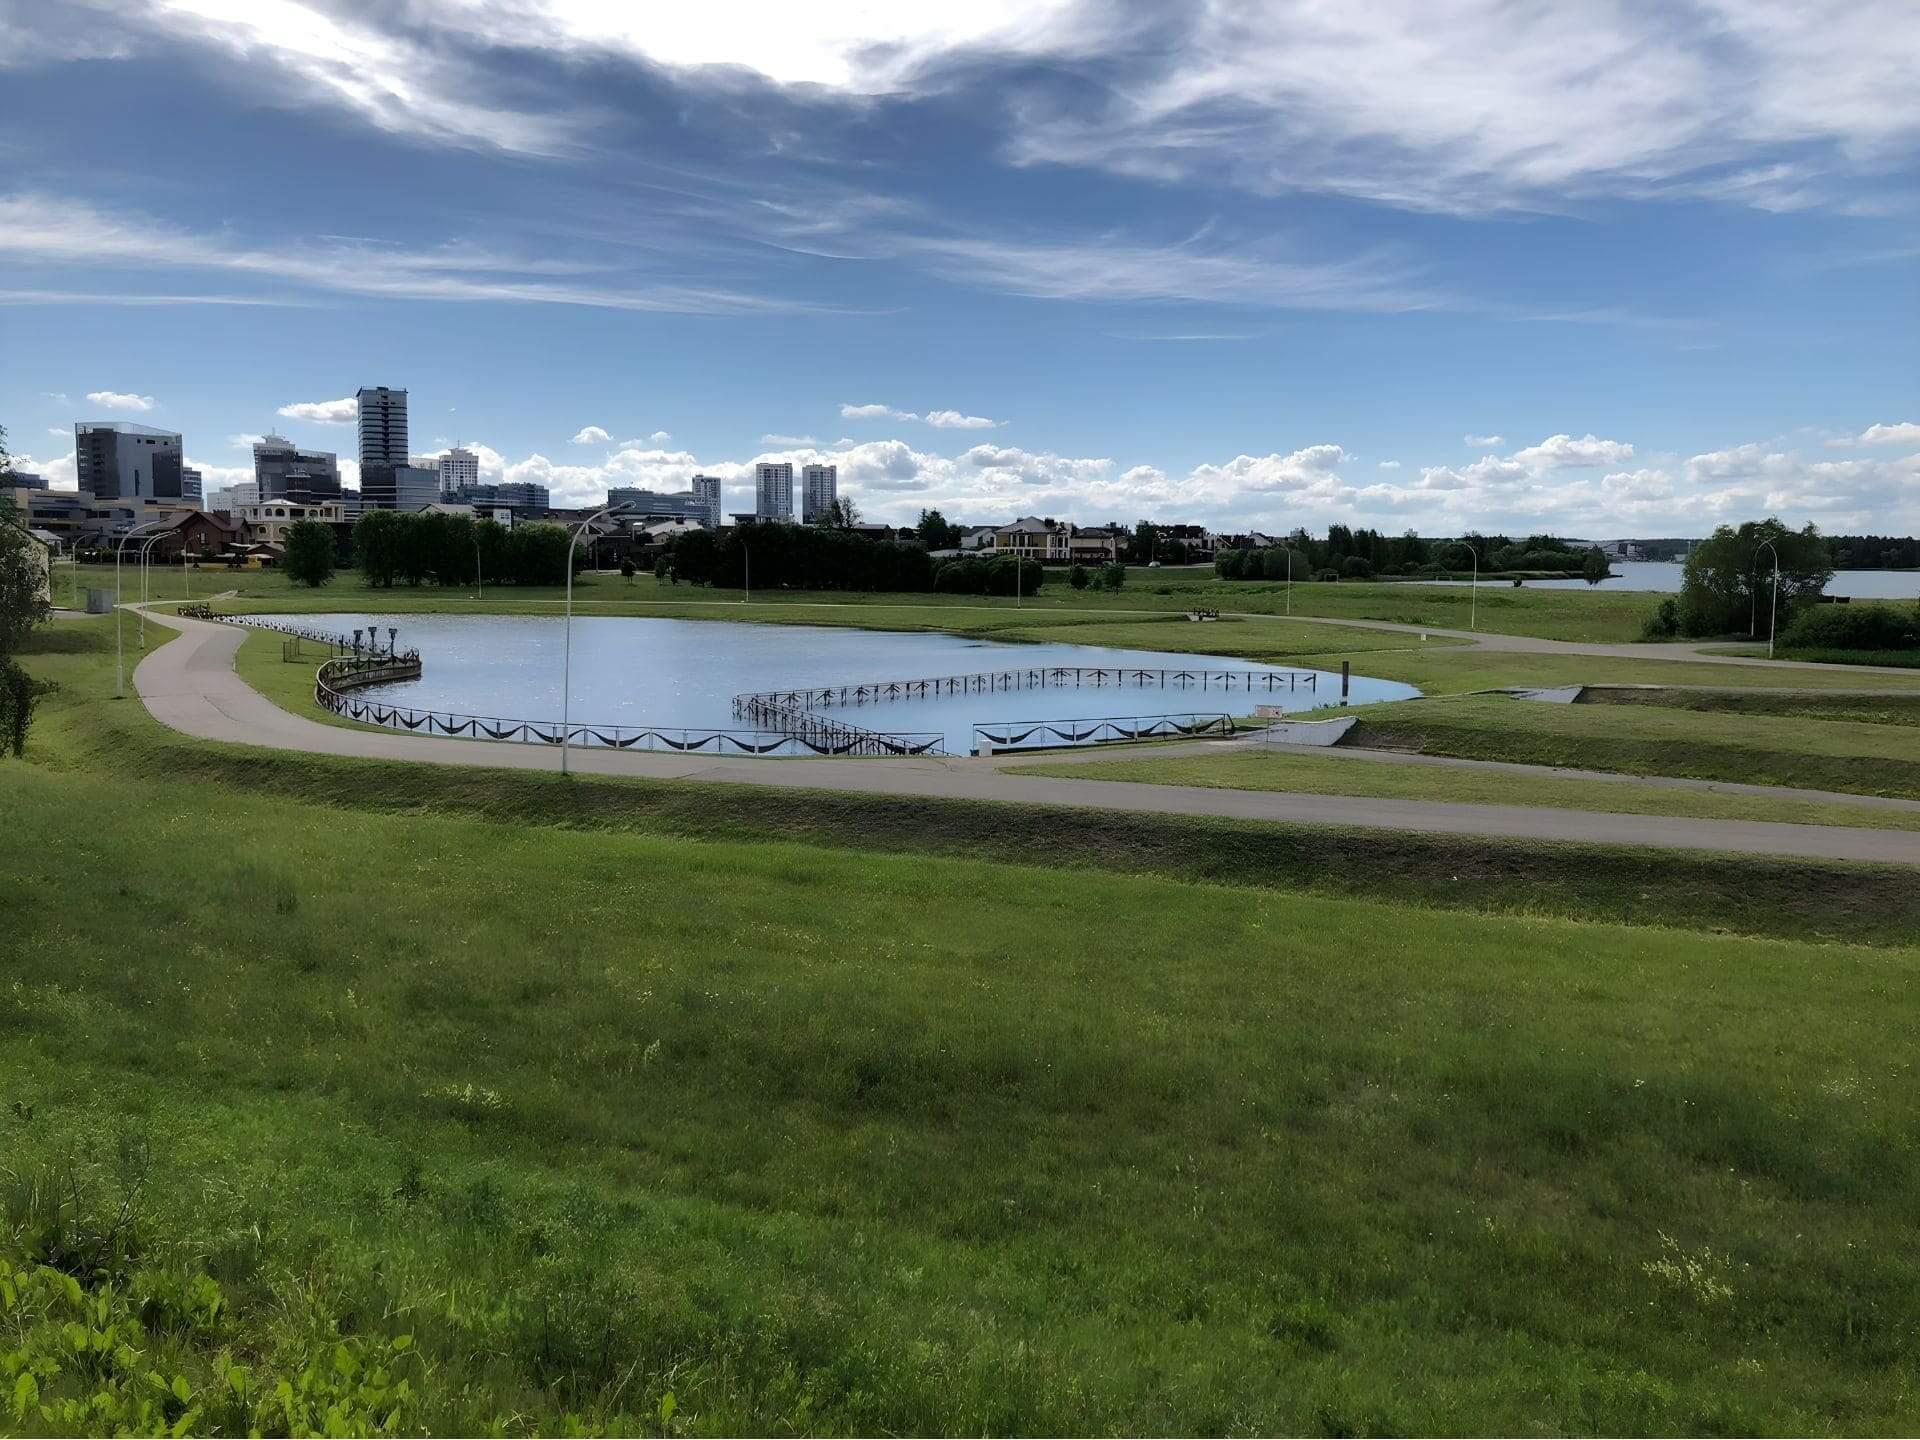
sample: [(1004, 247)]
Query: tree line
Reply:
[(422, 546)]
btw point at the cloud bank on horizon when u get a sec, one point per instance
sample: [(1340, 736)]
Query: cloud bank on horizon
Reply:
[(1380, 234)]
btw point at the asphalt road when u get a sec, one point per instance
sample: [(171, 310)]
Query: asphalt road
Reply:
[(190, 686)]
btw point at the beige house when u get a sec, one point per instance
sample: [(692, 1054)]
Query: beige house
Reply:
[(1097, 544), (267, 523), (1031, 538)]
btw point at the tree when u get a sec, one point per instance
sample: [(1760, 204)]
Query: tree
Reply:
[(1594, 567), (1355, 567), (23, 605), (376, 546), (937, 532), (1077, 577), (309, 553), (840, 514), (1114, 574), (1146, 543), (1727, 585)]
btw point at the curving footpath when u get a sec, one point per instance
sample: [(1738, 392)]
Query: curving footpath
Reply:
[(189, 685)]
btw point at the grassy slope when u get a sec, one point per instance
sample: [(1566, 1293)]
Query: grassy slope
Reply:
[(1549, 614), (816, 1140), (1327, 775), (1761, 749)]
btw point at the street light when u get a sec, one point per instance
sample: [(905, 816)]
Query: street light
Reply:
[(566, 663), (746, 558), (1773, 620), (1473, 603), (119, 650)]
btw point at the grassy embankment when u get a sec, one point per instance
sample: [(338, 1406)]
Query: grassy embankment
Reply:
[(1804, 747), (601, 1092), (1331, 775), (1600, 616)]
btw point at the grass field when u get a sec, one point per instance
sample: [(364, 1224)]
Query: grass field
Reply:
[(1601, 615), (1894, 659), (598, 1094), (1330, 775), (1754, 747)]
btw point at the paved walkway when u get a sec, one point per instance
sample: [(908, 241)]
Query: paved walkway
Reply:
[(189, 684)]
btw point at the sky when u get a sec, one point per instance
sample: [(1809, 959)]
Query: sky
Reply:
[(1600, 268)]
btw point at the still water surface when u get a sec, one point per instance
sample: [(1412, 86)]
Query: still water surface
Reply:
[(685, 673)]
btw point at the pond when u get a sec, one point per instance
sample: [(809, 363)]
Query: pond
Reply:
[(685, 673), (1663, 576)]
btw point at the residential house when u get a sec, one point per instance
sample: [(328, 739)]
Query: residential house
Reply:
[(267, 523), (1031, 538), (1098, 544), (197, 536)]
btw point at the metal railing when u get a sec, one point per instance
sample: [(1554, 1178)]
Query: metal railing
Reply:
[(1001, 735), (1034, 677), (844, 740)]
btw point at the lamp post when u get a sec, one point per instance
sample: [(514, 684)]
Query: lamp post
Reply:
[(746, 560), (1473, 602), (479, 581), (566, 662), (119, 649), (1289, 580), (1773, 620), (146, 568)]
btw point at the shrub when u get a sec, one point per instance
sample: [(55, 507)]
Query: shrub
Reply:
[(1327, 575), (1356, 567), (1664, 623), (1854, 627), (1077, 577), (1114, 575)]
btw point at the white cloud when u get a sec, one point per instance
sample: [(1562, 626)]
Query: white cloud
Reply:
[(219, 477), (59, 432), (1487, 441), (787, 440), (874, 412), (1558, 451), (954, 420), (659, 437), (1906, 432), (119, 400), (324, 412), (244, 442), (1389, 464), (590, 435), (1457, 105)]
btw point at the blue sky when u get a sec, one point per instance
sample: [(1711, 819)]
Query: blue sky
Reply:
[(1607, 268)]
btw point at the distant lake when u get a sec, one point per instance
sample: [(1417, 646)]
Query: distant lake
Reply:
[(685, 673), (1664, 575)]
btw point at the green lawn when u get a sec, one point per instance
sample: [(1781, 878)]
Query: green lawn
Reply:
[(1851, 755), (1601, 615), (1330, 775), (599, 1092), (1887, 659)]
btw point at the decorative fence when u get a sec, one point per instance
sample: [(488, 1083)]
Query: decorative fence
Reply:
[(1103, 730), (1037, 677)]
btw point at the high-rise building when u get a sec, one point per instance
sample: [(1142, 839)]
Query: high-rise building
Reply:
[(283, 470), (190, 484), (458, 468), (820, 488), (706, 489), (383, 426), (398, 487), (114, 460), (773, 490)]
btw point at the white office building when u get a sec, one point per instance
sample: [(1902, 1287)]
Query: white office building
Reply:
[(773, 490), (458, 469), (706, 490), (820, 488), (383, 426)]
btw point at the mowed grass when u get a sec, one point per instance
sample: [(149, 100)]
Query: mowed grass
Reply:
[(1601, 615), (1331, 775), (823, 1140), (602, 1092), (1848, 755)]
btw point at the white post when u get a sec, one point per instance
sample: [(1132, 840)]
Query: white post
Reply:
[(1773, 622), (1473, 601), (746, 553), (1289, 581), (479, 581), (119, 647), (566, 662)]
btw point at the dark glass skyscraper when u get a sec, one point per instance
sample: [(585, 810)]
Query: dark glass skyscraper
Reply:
[(383, 426), (114, 460)]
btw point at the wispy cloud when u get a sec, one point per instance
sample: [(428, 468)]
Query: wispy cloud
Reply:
[(591, 435), (1484, 440), (938, 419), (62, 231)]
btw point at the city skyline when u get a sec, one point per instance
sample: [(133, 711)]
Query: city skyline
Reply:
[(1584, 273)]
